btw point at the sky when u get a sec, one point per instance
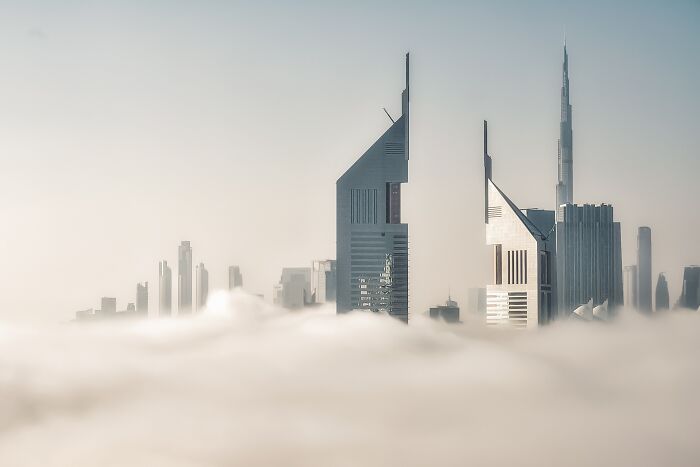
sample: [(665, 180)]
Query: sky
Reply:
[(126, 127), (245, 383)]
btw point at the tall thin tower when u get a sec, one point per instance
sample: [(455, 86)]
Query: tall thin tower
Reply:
[(565, 187), (184, 278)]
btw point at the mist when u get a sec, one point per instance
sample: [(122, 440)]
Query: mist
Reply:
[(245, 383)]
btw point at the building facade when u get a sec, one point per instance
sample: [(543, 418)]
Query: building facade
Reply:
[(184, 278), (521, 290), (644, 269), (165, 289), (589, 257), (372, 242)]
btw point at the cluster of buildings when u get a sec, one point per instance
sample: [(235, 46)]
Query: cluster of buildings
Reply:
[(185, 293), (545, 264)]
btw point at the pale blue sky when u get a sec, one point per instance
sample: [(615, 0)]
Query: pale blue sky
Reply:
[(126, 127)]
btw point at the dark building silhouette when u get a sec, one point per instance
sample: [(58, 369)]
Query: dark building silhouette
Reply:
[(589, 257), (142, 299), (644, 269), (165, 289), (662, 297), (184, 278), (690, 295), (449, 312), (202, 286), (235, 278), (372, 242)]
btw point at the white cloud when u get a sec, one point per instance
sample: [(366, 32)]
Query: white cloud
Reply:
[(247, 384)]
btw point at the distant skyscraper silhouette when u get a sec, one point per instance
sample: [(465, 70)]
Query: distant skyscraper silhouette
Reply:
[(235, 278), (449, 312), (202, 286), (690, 296), (631, 287), (108, 306), (184, 278), (521, 290), (294, 288), (565, 186), (142, 299), (165, 289), (644, 269), (324, 279), (589, 260), (372, 243), (662, 297)]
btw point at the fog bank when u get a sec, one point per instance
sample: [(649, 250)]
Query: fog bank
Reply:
[(251, 385)]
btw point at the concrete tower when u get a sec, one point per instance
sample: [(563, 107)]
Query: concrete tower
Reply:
[(565, 186), (644, 269), (165, 289), (372, 243), (184, 278)]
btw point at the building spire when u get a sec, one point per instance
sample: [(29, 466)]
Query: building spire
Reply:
[(487, 171), (565, 159)]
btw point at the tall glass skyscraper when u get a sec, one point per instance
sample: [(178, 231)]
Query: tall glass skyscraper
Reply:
[(589, 257), (565, 186), (372, 242), (202, 286)]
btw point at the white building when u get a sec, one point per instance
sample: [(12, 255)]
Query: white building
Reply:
[(521, 290)]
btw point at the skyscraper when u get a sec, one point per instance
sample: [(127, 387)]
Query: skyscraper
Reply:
[(644, 268), (565, 186), (184, 278), (294, 288), (108, 306), (631, 287), (589, 260), (521, 292), (449, 312), (324, 278), (202, 286), (235, 278), (662, 297), (690, 295), (372, 243), (142, 299), (165, 289)]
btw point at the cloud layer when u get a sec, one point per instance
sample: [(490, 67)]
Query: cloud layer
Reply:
[(248, 384)]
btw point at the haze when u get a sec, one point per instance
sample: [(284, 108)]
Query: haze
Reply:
[(128, 126)]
